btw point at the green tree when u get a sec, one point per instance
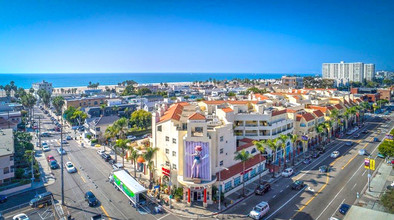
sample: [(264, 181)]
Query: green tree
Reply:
[(293, 139), (79, 116), (143, 91), (111, 133), (141, 119), (102, 108), (28, 101), (260, 145), (148, 156), (243, 156), (122, 125), (283, 139), (387, 148), (123, 145), (387, 200), (231, 94), (58, 103), (133, 157)]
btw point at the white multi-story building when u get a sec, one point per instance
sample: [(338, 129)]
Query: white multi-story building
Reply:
[(6, 155), (344, 73), (43, 85)]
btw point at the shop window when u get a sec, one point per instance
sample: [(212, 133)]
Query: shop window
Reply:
[(228, 186), (246, 177), (237, 181)]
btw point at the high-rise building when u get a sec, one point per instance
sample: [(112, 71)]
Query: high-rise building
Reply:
[(344, 73)]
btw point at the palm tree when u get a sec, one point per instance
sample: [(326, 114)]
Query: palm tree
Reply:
[(122, 144), (102, 107), (328, 125), (112, 133), (293, 139), (283, 139), (148, 156), (273, 145), (133, 157), (243, 156), (260, 145), (123, 125), (79, 115), (334, 117)]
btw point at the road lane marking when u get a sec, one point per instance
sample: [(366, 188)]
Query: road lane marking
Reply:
[(354, 186), (343, 167), (313, 197), (274, 196), (286, 203), (338, 207), (164, 216), (105, 212), (364, 172), (281, 190), (82, 178)]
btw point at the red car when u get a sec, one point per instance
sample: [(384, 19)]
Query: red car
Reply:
[(50, 158)]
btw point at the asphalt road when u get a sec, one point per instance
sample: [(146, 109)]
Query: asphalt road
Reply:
[(92, 176), (324, 192)]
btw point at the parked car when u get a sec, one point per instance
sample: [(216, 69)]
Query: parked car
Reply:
[(298, 184), (70, 167), (376, 139), (91, 199), (100, 152), (315, 154), (64, 142), (46, 148), (68, 138), (21, 216), (349, 143), (53, 164), (41, 199), (365, 132), (287, 172), (362, 152), (262, 188), (45, 134), (344, 208), (322, 149), (117, 166), (357, 135), (381, 155), (44, 144), (111, 162), (131, 137), (3, 199), (259, 210), (50, 158), (324, 169), (335, 154), (61, 151), (106, 157)]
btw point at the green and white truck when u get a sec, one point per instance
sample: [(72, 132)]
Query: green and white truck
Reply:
[(129, 186)]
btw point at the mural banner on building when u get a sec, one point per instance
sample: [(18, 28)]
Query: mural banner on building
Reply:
[(197, 161)]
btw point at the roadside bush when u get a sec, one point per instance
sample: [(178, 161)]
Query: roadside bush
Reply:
[(19, 173), (88, 136), (387, 200), (94, 141), (387, 148)]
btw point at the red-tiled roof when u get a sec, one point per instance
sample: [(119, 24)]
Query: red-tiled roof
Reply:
[(338, 106), (330, 108), (227, 110), (219, 102), (260, 97), (174, 112), (307, 117), (237, 168), (321, 108), (275, 113), (318, 113), (291, 111), (197, 116), (241, 102), (247, 140), (298, 117), (244, 146)]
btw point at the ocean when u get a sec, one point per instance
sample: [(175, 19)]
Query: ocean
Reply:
[(25, 80)]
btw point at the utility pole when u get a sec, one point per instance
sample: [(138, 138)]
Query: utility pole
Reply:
[(39, 131), (61, 157), (32, 164), (369, 174)]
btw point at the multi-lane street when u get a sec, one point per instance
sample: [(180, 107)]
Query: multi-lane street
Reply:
[(324, 192), (92, 175)]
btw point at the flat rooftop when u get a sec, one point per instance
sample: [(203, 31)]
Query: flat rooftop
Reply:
[(6, 142)]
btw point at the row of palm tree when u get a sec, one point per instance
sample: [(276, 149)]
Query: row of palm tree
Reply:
[(117, 135)]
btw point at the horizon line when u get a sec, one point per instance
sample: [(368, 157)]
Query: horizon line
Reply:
[(164, 73)]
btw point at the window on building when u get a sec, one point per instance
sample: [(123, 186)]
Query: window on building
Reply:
[(167, 151), (253, 150), (168, 163), (159, 128), (221, 150), (246, 177), (228, 186), (95, 102), (174, 153), (221, 163), (174, 141), (11, 158), (174, 166), (221, 138), (6, 170), (237, 181), (167, 138)]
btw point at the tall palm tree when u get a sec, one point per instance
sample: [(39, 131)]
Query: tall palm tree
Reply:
[(283, 139), (122, 144), (79, 115), (102, 108), (260, 145), (243, 156), (334, 115), (133, 157), (148, 156), (328, 125), (112, 133), (293, 139), (273, 145), (123, 126)]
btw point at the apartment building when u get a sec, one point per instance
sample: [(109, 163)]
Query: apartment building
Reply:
[(344, 73), (6, 155), (293, 82), (85, 102), (42, 85)]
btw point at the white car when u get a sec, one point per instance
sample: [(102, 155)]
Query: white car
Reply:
[(287, 172), (21, 216), (100, 152), (335, 154), (362, 152), (46, 148), (70, 167), (259, 210), (117, 166), (131, 137)]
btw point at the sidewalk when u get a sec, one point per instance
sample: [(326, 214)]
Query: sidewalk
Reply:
[(384, 175), (46, 178)]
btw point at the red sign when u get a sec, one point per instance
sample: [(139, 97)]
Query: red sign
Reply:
[(246, 171), (165, 171)]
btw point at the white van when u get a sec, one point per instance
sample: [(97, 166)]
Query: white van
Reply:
[(260, 210)]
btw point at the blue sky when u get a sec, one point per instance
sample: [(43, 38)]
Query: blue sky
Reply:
[(193, 36)]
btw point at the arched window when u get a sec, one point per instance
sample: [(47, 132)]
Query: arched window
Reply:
[(253, 150)]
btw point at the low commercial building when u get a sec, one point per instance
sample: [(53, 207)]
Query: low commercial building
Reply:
[(85, 102), (6, 155)]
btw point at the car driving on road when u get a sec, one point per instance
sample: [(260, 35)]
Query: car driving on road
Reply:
[(70, 167), (324, 169), (91, 199), (298, 184), (362, 152), (344, 208), (335, 154), (46, 148), (262, 188), (21, 216), (259, 210), (287, 172)]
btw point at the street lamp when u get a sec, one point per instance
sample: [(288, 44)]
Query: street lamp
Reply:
[(32, 164), (220, 195)]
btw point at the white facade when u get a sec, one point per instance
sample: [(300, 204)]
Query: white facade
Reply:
[(43, 85), (348, 72), (6, 155)]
